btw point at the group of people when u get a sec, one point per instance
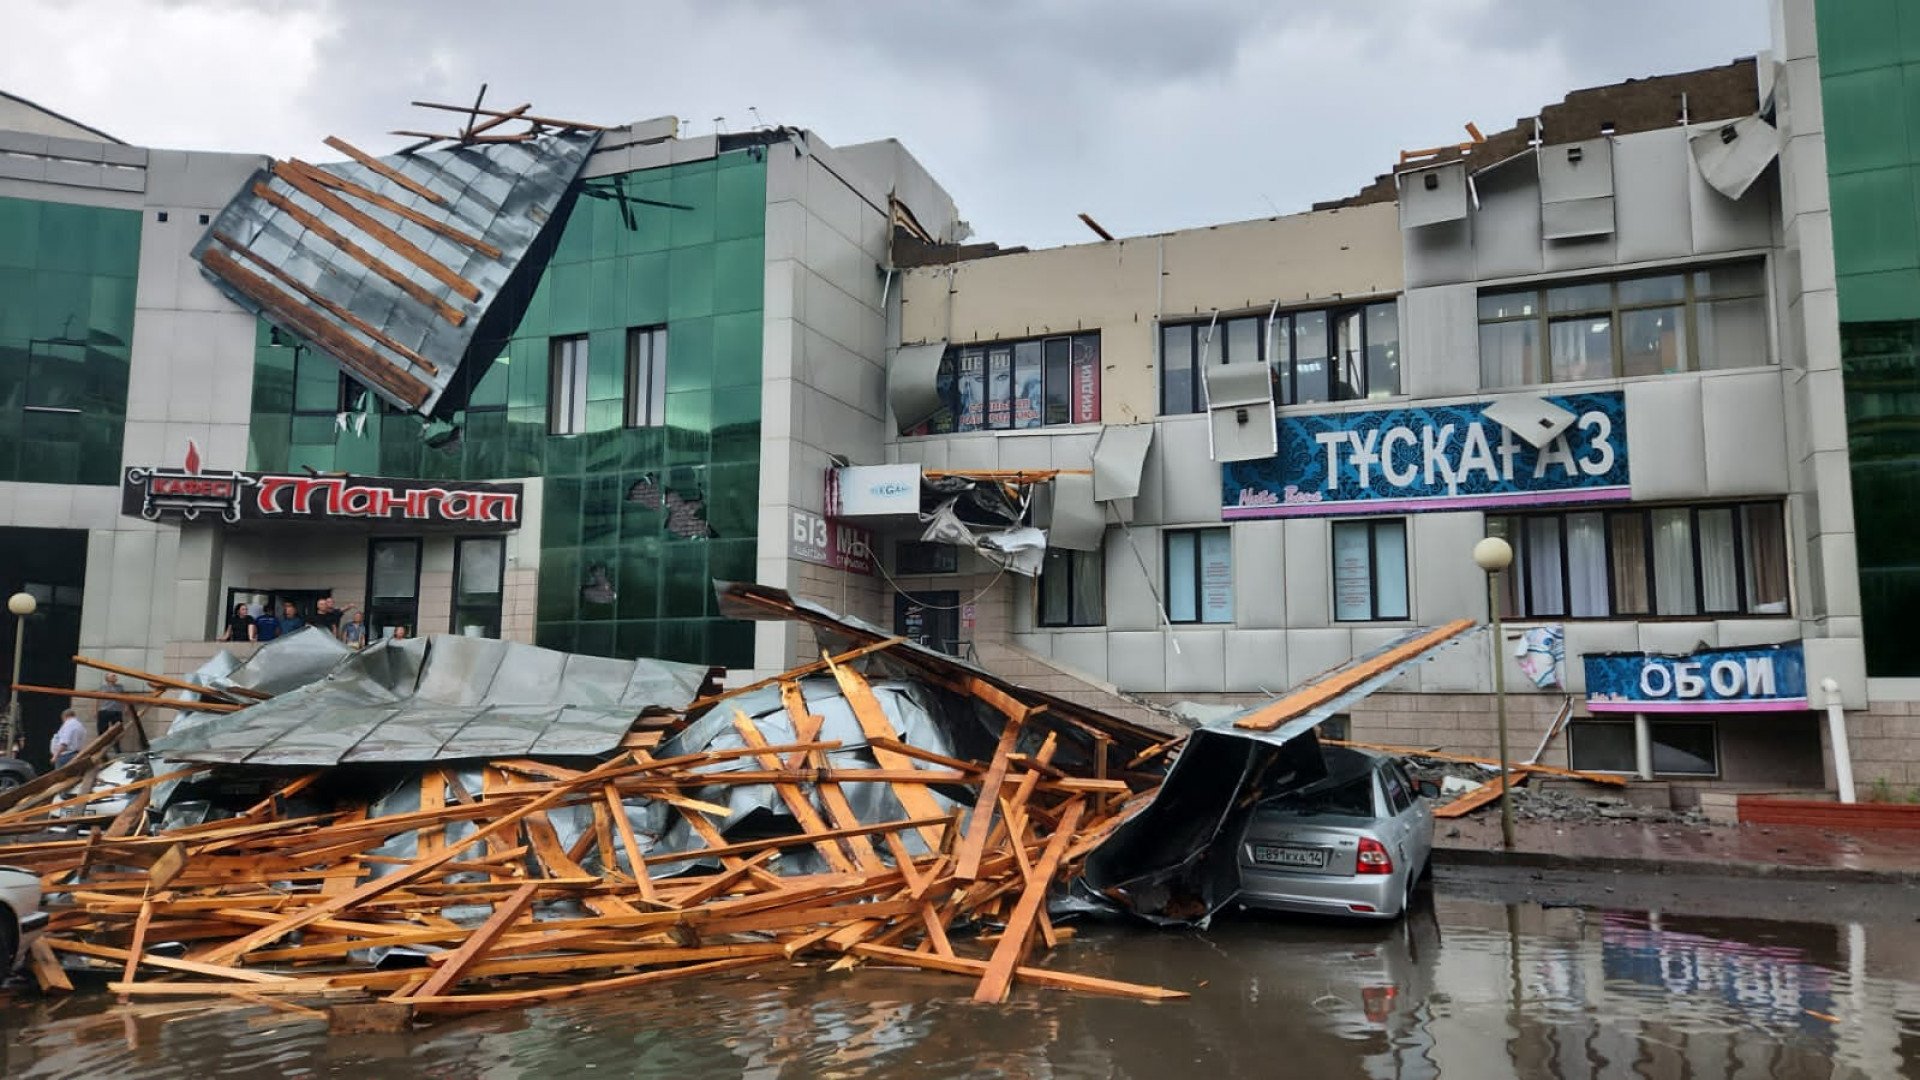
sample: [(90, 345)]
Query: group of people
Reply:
[(257, 622)]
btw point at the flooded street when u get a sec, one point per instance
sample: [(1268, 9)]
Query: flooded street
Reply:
[(1466, 988)]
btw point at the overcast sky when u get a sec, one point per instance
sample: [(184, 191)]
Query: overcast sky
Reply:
[(1148, 114)]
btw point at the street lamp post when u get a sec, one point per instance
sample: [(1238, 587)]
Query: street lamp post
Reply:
[(22, 604), (1494, 555)]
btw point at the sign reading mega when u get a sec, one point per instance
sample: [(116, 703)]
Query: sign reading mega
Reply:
[(188, 492), (1762, 678), (1446, 457)]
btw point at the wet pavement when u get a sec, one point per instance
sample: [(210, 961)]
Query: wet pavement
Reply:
[(1794, 847), (1466, 988)]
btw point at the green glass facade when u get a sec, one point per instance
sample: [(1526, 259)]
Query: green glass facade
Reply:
[(636, 522), (1870, 83), (67, 278)]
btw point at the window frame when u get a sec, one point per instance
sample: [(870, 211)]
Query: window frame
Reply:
[(1195, 536), (561, 365), (1074, 561), (646, 376), (377, 627), (1047, 355), (1209, 338), (947, 563), (1587, 723), (493, 613), (1372, 526), (1517, 589), (1691, 302)]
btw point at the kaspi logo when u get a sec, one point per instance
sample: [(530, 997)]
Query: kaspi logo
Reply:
[(188, 491)]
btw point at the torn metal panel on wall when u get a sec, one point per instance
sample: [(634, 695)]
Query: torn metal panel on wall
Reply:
[(1073, 519), (1433, 195), (1119, 460), (1732, 156), (913, 383), (1535, 420), (1576, 189), (391, 266), (443, 698), (1241, 412)]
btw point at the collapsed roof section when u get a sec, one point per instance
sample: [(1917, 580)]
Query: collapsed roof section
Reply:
[(392, 265)]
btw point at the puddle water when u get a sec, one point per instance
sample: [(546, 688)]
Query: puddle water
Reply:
[(1464, 989)]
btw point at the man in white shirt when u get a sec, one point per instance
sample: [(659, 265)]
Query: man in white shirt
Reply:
[(68, 740)]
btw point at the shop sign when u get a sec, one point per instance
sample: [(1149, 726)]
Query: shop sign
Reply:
[(1763, 678), (873, 490), (189, 492), (1448, 457), (1086, 380), (829, 543)]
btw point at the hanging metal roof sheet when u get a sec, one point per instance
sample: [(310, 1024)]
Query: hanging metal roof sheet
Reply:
[(391, 265)]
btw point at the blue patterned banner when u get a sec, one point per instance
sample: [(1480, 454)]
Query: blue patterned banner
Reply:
[(1762, 678), (1447, 457)]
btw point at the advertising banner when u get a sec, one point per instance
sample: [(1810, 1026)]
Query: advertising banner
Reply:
[(1758, 678), (1447, 457)]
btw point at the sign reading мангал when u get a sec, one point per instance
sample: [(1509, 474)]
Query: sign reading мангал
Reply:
[(1444, 457)]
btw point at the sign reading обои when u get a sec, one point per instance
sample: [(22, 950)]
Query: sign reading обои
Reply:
[(1445, 457), (188, 494)]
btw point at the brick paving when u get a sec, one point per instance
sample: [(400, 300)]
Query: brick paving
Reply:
[(1690, 847)]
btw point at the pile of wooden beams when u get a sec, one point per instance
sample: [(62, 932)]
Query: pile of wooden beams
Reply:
[(293, 898)]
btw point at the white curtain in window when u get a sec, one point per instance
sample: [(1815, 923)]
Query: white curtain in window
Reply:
[(1673, 592), (1719, 581), (1543, 567), (1089, 589), (1764, 543), (1587, 566)]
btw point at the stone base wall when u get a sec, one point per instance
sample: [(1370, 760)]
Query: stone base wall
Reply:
[(1885, 740)]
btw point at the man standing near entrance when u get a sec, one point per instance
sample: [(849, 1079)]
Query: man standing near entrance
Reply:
[(68, 740), (110, 712), (326, 616)]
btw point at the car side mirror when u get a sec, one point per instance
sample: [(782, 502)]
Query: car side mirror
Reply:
[(1428, 789)]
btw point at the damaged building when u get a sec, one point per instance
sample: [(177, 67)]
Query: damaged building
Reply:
[(546, 380)]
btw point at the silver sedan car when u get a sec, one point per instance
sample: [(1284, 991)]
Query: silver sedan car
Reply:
[(21, 919), (1354, 843)]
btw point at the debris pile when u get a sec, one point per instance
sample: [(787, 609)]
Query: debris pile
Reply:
[(829, 813)]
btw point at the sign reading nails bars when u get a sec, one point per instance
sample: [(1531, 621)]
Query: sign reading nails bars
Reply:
[(189, 494)]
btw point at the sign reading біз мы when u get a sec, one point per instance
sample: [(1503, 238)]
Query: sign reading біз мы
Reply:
[(1444, 457), (1753, 678)]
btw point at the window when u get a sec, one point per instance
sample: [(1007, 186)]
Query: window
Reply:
[(1072, 589), (646, 376), (1653, 324), (479, 570), (1342, 354), (925, 557), (320, 387), (567, 386), (1680, 747), (1399, 795), (1663, 561), (1016, 385), (1370, 570), (393, 586), (1200, 576)]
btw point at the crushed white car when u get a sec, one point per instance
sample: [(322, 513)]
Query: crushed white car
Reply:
[(21, 919)]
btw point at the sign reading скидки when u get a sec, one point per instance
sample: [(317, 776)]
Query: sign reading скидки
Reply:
[(1445, 457)]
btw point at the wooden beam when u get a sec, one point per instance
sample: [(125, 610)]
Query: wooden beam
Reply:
[(1612, 779), (379, 230), (476, 945), (915, 799), (1322, 690), (511, 114), (974, 844), (1478, 797), (385, 170), (794, 675), (363, 360), (1059, 980), (338, 311), (368, 259), (373, 198), (789, 791), (1013, 942)]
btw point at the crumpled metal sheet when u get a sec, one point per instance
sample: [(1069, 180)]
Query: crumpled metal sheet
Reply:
[(1119, 460), (508, 195), (913, 382), (444, 698), (1173, 862)]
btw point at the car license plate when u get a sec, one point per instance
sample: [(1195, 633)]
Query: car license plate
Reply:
[(1312, 857)]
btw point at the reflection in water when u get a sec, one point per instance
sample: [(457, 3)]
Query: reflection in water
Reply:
[(1464, 990)]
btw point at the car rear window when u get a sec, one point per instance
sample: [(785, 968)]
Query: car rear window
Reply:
[(1352, 798)]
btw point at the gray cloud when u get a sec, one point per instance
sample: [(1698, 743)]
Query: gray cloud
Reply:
[(1150, 116)]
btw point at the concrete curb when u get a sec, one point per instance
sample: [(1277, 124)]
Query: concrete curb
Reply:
[(1541, 860)]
